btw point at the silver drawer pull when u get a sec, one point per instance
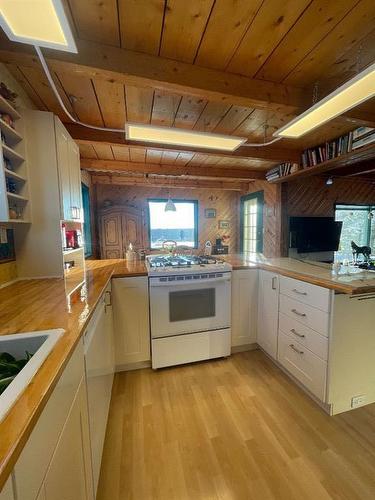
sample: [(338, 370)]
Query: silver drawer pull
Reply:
[(303, 315), (292, 346), (299, 293), (298, 334)]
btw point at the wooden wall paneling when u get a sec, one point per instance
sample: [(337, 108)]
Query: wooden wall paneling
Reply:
[(183, 158), (141, 24), (137, 155), (225, 203), (212, 114), (87, 151), (120, 152), (111, 99), (228, 23), (184, 25), (153, 156), (169, 157), (164, 108), (103, 151), (139, 104), (189, 111), (354, 27), (96, 21), (233, 118), (270, 25), (31, 92), (304, 36), (81, 93)]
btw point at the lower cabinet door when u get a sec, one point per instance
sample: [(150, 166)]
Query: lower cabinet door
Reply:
[(244, 306), (268, 312), (7, 492), (69, 476)]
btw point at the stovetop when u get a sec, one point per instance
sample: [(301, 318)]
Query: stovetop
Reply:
[(179, 264)]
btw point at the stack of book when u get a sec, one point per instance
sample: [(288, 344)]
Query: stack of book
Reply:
[(363, 136), (344, 144), (281, 171)]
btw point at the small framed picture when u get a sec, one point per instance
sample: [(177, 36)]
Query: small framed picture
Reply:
[(210, 213), (224, 224)]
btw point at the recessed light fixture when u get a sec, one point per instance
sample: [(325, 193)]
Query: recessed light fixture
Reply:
[(37, 22), (179, 137), (354, 92)]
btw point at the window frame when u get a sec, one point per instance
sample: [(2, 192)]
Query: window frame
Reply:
[(87, 226), (176, 202), (259, 196)]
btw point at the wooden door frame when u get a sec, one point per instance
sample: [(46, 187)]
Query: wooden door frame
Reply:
[(259, 195)]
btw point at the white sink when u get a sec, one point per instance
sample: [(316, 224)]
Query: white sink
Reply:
[(40, 344)]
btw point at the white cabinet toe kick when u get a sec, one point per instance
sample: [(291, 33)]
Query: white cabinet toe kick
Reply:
[(324, 341)]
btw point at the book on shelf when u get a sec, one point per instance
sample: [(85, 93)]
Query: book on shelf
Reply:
[(353, 140), (281, 171)]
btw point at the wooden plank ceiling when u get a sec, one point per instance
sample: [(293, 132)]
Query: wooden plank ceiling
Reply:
[(288, 43)]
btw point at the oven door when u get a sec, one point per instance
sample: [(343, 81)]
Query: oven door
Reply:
[(188, 304)]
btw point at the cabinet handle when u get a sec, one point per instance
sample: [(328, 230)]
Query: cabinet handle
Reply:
[(299, 293), (108, 294), (292, 346), (298, 334), (303, 315), (274, 282)]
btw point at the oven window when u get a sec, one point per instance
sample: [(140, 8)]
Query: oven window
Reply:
[(191, 304)]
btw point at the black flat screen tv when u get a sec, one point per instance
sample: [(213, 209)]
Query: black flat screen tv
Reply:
[(314, 234)]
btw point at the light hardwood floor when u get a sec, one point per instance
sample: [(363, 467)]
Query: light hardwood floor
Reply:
[(231, 429)]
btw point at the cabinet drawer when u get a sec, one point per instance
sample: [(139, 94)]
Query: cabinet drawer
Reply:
[(309, 338), (304, 365), (310, 316), (312, 295)]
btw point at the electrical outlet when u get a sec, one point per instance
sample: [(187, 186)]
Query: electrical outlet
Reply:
[(358, 401)]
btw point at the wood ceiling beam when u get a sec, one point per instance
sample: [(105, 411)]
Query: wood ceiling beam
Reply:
[(172, 170), (84, 135), (124, 180), (96, 60)]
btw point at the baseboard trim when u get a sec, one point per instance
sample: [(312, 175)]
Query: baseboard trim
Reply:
[(133, 366), (243, 348)]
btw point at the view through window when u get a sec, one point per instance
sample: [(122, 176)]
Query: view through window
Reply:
[(179, 226), (252, 223), (358, 226)]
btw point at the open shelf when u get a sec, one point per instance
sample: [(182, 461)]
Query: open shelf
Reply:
[(72, 250), (18, 221), (18, 197), (10, 133), (359, 155), (11, 154), (14, 175), (6, 107)]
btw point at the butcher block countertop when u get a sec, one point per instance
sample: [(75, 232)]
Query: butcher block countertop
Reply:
[(357, 282), (30, 305)]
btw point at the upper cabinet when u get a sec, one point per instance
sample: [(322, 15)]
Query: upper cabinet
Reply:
[(68, 164)]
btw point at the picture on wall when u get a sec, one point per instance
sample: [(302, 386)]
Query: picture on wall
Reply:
[(224, 224), (210, 213)]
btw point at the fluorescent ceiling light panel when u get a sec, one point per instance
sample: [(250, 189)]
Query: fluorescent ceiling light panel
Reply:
[(354, 92), (179, 137), (37, 22)]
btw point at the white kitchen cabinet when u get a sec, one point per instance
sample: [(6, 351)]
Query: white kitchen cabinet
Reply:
[(244, 307), (7, 492), (42, 493), (99, 361), (68, 477), (268, 312), (131, 321)]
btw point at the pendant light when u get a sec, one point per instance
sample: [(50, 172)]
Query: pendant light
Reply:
[(170, 206)]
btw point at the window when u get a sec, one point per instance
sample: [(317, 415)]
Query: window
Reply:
[(180, 226), (252, 222), (358, 226), (87, 220)]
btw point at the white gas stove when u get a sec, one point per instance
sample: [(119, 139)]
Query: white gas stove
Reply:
[(190, 306)]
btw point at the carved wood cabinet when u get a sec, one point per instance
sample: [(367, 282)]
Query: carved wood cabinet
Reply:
[(119, 226)]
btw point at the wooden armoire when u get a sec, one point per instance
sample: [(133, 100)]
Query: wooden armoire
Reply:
[(120, 225)]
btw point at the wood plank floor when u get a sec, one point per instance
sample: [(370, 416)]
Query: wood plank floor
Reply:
[(231, 429)]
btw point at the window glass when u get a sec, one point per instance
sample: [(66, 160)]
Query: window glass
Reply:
[(358, 226), (179, 226)]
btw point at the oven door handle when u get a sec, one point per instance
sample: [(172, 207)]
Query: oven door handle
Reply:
[(174, 283)]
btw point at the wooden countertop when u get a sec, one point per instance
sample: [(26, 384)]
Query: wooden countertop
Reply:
[(29, 305), (357, 282)]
